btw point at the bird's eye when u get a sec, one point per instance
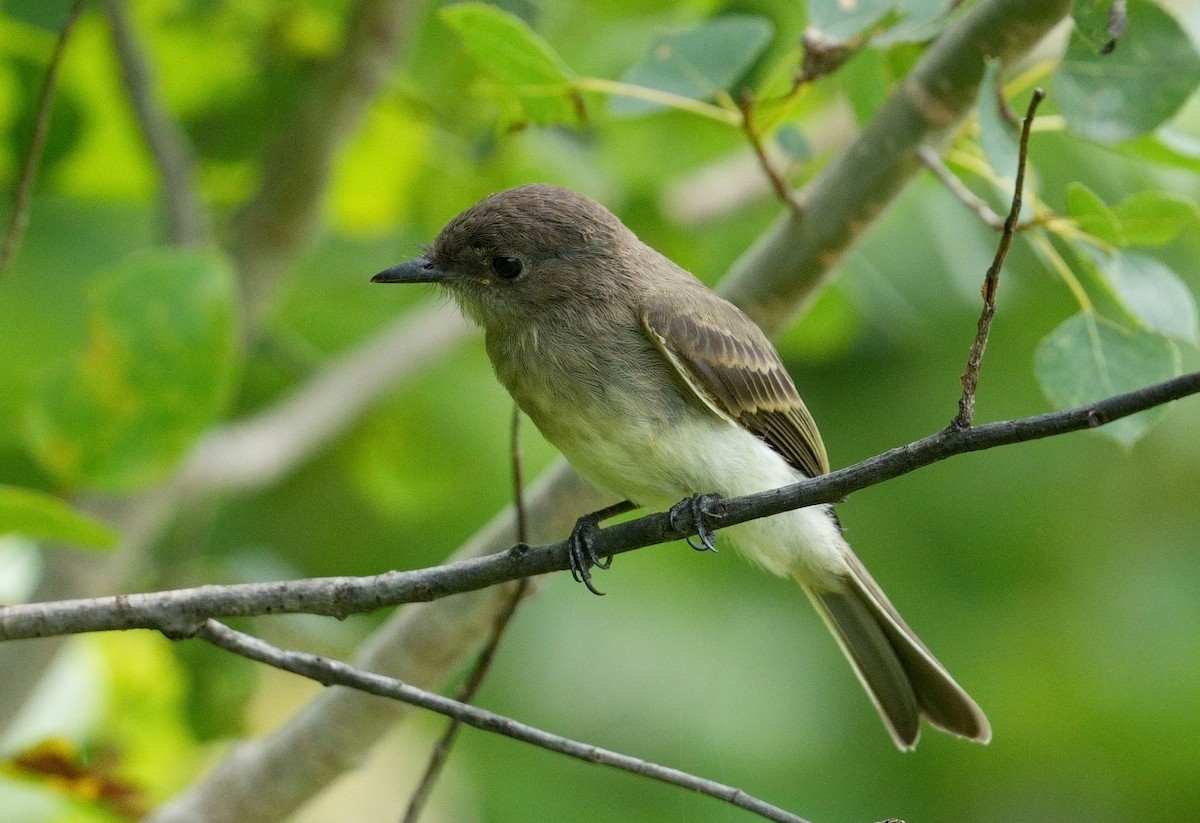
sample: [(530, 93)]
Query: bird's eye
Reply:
[(506, 268)]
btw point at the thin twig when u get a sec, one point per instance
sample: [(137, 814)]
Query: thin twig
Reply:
[(336, 673), (970, 376), (483, 663), (181, 612), (933, 162), (782, 189), (187, 221), (37, 142)]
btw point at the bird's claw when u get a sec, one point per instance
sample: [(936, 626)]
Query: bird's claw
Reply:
[(582, 553), (689, 514), (581, 549)]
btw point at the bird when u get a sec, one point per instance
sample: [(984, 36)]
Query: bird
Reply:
[(664, 394)]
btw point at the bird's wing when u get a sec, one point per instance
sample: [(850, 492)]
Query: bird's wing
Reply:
[(726, 360)]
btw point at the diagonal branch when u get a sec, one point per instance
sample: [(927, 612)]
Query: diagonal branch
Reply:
[(187, 221), (283, 214), (335, 673), (23, 187), (182, 613)]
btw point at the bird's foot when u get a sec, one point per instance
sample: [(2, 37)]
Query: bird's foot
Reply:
[(581, 549), (689, 514)]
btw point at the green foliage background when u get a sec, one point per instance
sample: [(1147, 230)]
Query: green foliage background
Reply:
[(1059, 581)]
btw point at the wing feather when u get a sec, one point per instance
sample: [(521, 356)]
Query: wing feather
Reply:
[(726, 360)]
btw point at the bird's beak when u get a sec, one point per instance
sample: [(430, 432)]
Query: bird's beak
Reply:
[(417, 270)]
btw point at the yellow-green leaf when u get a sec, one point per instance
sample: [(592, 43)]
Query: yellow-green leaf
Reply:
[(532, 76), (42, 516), (155, 373)]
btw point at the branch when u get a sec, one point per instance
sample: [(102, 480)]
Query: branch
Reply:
[(182, 612), (283, 214), (187, 222), (37, 142), (949, 179), (259, 451), (991, 281), (772, 281), (335, 673)]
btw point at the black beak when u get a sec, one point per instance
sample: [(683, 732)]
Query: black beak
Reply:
[(417, 270)]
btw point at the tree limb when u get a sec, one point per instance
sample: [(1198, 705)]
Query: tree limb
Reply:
[(181, 613), (336, 673), (283, 214), (187, 220), (772, 281)]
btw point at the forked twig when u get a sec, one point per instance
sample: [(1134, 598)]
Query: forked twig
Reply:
[(336, 673)]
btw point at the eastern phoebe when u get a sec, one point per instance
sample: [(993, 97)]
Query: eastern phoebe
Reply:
[(657, 389)]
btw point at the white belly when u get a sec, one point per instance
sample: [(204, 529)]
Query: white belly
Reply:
[(656, 466)]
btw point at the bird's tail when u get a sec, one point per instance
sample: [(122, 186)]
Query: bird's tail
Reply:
[(903, 678)]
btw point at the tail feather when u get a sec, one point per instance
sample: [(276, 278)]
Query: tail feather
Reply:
[(903, 678)]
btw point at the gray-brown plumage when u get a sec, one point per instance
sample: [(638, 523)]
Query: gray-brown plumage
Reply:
[(657, 389)]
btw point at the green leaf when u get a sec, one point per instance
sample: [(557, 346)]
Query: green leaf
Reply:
[(535, 81), (1087, 359), (45, 14), (697, 63), (44, 517), (155, 373), (902, 20), (1154, 217), (997, 137), (1096, 23), (1117, 96), (1153, 292), (1086, 208), (793, 142)]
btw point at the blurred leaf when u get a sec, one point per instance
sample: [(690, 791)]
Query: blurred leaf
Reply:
[(902, 20), (792, 140), (45, 14), (1113, 97), (1099, 22), (1154, 217), (44, 517), (155, 373), (997, 137), (1153, 292), (1086, 208), (697, 63), (533, 75), (1087, 359), (62, 767)]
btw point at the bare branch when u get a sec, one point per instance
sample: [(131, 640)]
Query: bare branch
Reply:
[(259, 451), (782, 188), (949, 179), (335, 673), (181, 612), (187, 221), (23, 188), (970, 376)]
